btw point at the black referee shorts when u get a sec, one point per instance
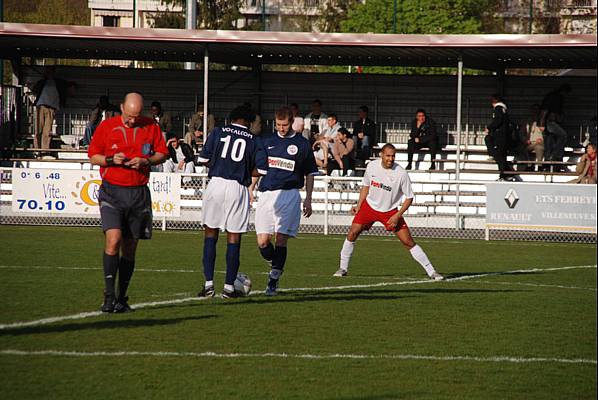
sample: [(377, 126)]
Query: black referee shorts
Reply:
[(128, 208)]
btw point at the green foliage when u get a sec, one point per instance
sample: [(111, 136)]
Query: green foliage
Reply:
[(60, 12), (211, 14)]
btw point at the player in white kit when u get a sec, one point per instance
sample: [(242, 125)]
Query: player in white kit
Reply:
[(384, 183)]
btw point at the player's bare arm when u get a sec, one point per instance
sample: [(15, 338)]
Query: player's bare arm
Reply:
[(309, 187), (254, 182), (363, 193)]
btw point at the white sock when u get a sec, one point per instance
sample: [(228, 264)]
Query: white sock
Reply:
[(229, 288), (208, 284), (418, 255), (346, 253)]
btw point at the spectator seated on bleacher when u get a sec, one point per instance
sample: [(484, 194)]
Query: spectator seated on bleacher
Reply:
[(181, 157), (321, 153), (586, 167), (343, 154), (534, 138), (423, 134), (364, 136), (101, 112)]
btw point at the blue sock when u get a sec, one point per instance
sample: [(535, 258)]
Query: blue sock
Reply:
[(209, 257), (267, 252), (233, 251), (279, 258)]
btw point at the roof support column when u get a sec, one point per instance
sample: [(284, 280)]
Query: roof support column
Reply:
[(257, 69), (206, 68), (458, 138)]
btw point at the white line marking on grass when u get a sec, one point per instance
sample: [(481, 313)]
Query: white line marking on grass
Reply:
[(209, 354), (50, 320), (534, 285)]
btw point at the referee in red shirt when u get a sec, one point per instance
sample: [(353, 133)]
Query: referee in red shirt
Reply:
[(125, 147)]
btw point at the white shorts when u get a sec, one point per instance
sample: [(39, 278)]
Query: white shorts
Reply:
[(278, 211), (226, 205)]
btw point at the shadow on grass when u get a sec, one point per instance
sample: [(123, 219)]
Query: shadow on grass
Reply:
[(100, 325)]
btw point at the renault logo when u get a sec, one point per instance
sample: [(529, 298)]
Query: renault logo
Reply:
[(511, 198)]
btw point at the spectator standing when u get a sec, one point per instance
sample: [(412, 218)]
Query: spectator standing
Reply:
[(196, 133), (586, 167), (551, 123), (364, 135), (343, 153), (423, 134), (298, 122), (103, 111), (498, 136), (315, 123), (163, 119), (181, 157), (535, 139), (125, 147), (51, 94)]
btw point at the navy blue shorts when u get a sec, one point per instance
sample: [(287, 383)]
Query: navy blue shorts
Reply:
[(128, 208)]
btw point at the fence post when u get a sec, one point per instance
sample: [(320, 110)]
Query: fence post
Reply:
[(326, 180), (487, 234), (164, 222)]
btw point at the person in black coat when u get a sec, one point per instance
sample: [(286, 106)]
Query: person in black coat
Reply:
[(181, 156), (364, 136), (498, 136), (423, 134)]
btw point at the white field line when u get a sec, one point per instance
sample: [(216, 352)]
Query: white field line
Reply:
[(533, 285), (45, 321), (209, 354)]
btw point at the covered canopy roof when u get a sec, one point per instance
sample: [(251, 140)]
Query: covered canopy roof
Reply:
[(251, 48)]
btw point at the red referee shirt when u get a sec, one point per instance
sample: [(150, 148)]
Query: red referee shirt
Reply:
[(112, 137)]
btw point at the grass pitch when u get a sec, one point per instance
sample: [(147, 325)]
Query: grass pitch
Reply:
[(514, 320)]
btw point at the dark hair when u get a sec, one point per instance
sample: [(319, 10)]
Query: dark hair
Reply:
[(421, 110), (365, 109), (294, 105), (343, 131), (591, 144), (317, 101), (496, 96), (284, 112), (388, 146), (332, 115), (156, 104), (242, 112)]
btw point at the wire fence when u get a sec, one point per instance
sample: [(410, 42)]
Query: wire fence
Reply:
[(433, 214)]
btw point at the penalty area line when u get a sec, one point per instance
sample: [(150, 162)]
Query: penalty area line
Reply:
[(50, 320), (210, 354)]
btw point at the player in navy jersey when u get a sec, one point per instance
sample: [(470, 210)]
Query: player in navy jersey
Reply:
[(291, 165), (233, 155)]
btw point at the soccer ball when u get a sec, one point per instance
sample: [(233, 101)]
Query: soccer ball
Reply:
[(242, 284)]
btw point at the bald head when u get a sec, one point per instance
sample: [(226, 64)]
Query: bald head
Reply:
[(131, 108)]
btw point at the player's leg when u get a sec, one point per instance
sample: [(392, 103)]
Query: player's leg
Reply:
[(418, 254), (209, 260), (279, 259), (113, 238), (126, 266), (348, 246), (232, 263), (264, 244)]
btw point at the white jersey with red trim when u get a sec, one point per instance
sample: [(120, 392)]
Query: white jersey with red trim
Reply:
[(387, 186)]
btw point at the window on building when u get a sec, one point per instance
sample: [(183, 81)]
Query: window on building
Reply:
[(108, 20)]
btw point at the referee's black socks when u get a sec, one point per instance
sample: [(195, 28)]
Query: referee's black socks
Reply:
[(110, 270), (125, 272)]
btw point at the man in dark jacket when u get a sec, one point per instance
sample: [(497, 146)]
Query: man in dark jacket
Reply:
[(364, 136), (181, 156), (551, 120), (498, 136), (101, 112), (423, 134)]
